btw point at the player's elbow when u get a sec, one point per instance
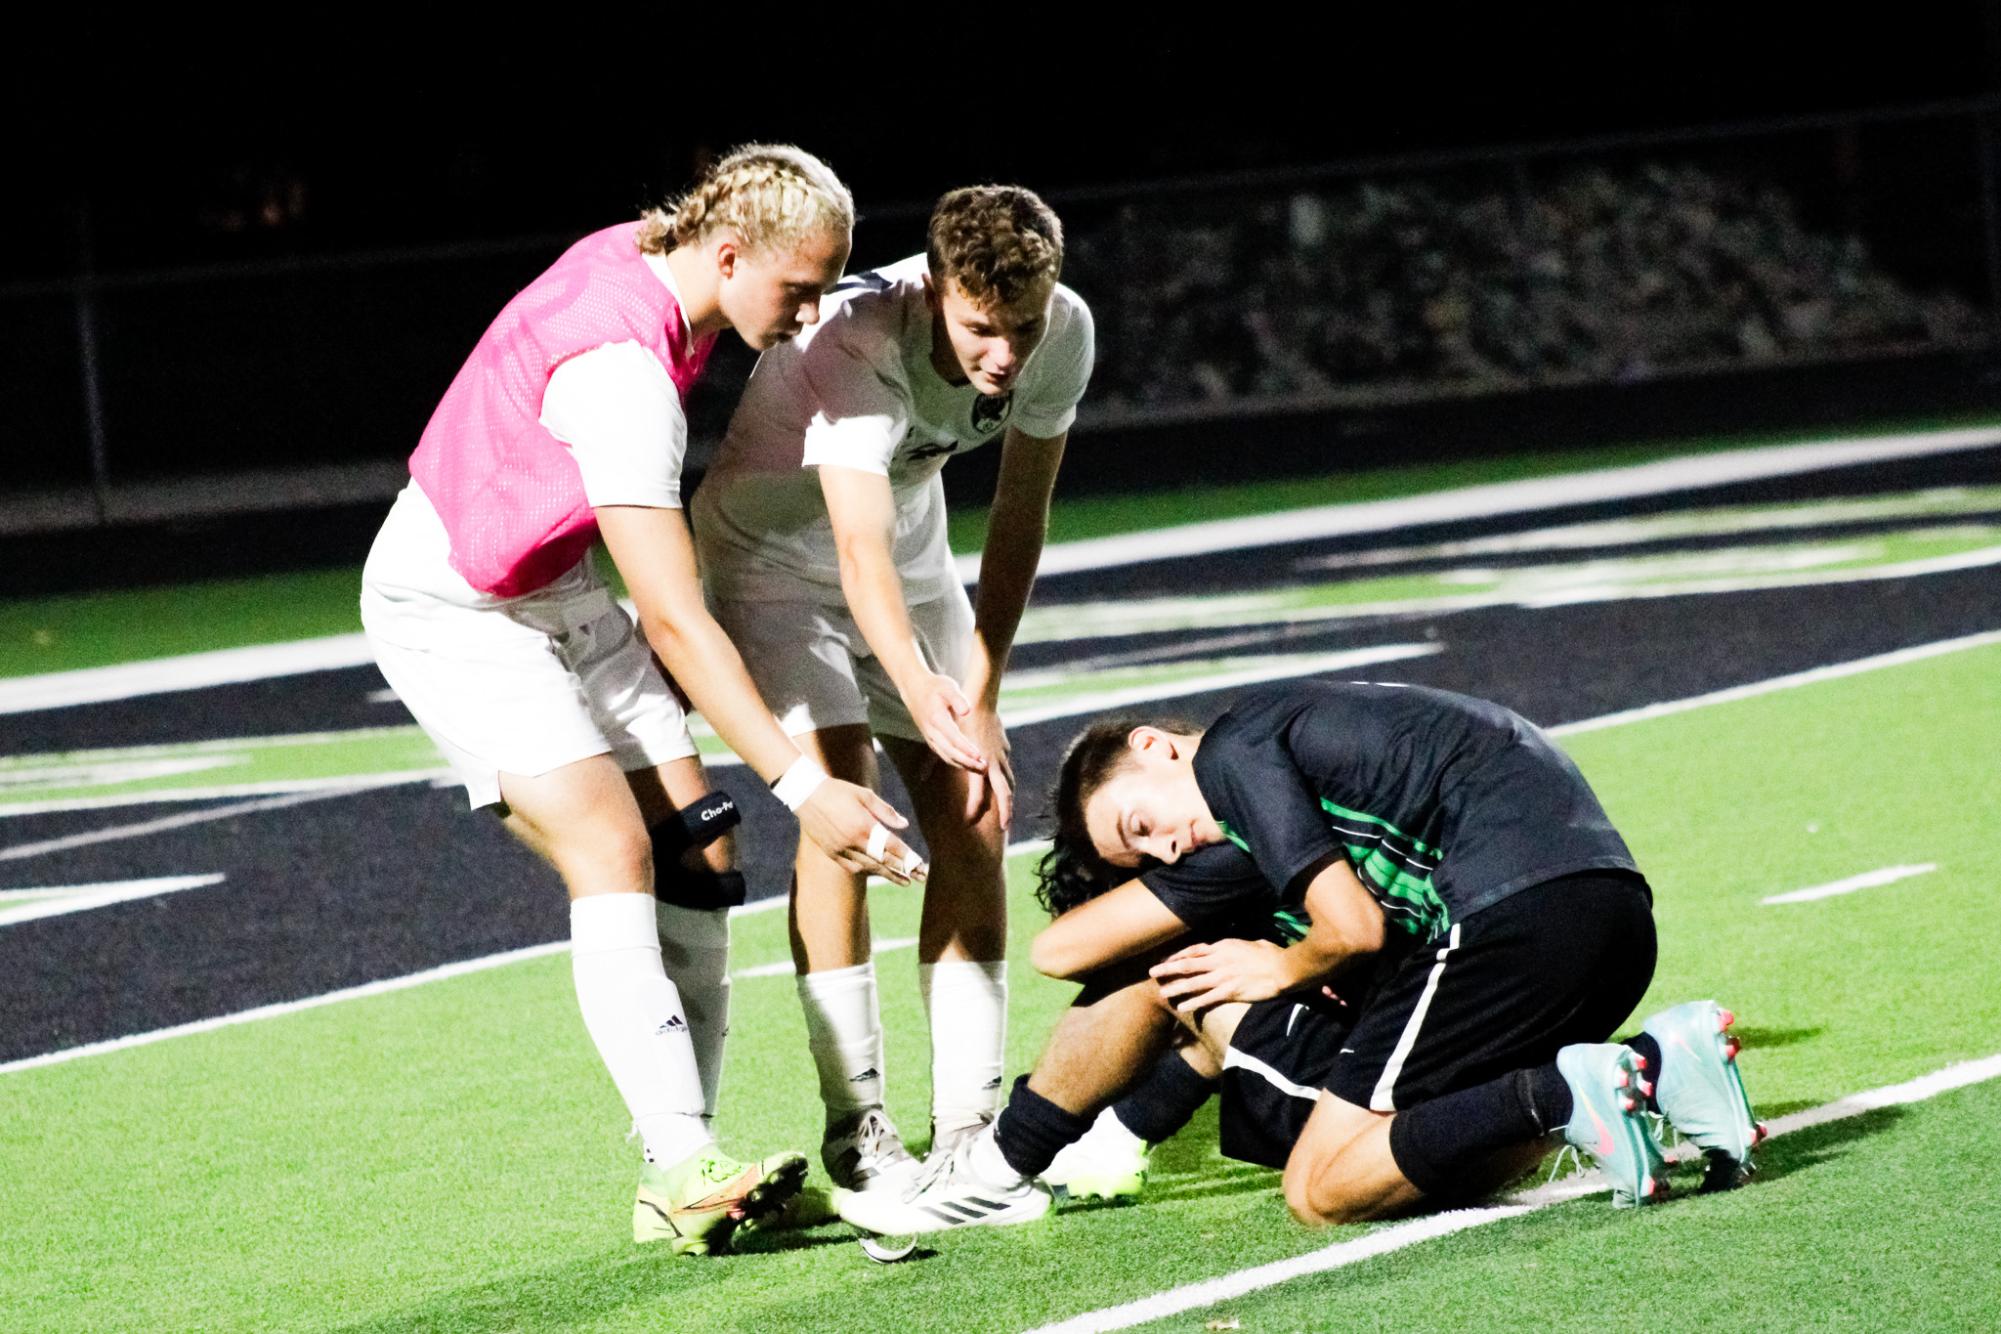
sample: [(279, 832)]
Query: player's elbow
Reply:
[(1055, 954)]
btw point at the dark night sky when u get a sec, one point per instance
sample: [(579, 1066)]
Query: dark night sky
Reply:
[(162, 142)]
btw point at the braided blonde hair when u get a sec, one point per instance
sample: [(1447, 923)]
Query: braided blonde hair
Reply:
[(770, 195)]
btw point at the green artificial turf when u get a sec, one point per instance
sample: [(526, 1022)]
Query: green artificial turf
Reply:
[(1883, 1221), (452, 1157)]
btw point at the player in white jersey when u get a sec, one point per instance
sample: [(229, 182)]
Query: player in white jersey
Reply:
[(822, 537), (547, 700)]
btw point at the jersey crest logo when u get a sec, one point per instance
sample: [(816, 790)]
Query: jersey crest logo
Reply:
[(989, 413)]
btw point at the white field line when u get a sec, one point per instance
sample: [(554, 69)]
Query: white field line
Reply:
[(338, 785), (92, 685), (1812, 676), (181, 821), (27, 905), (1272, 668), (1889, 875), (1152, 615), (189, 671), (1941, 506), (1472, 502), (1834, 672), (1027, 847), (1402, 1236), (1290, 665)]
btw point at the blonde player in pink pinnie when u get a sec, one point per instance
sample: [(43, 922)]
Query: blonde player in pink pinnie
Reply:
[(488, 617)]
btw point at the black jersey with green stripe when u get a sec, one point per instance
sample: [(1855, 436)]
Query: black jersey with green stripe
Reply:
[(1442, 804), (1220, 888)]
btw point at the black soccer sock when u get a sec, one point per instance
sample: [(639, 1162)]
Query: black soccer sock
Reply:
[(1645, 1045), (1442, 1146), (1164, 1101), (1031, 1130)]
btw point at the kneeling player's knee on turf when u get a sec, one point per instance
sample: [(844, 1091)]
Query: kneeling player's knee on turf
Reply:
[(1303, 1197)]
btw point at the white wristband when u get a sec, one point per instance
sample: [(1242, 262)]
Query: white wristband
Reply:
[(798, 783)]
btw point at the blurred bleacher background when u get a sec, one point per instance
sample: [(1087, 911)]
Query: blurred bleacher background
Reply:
[(227, 303)]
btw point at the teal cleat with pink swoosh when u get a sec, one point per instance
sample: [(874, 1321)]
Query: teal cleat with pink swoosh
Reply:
[(1608, 1119), (1700, 1091)]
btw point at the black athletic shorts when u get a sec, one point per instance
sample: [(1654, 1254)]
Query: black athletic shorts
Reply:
[(1560, 962)]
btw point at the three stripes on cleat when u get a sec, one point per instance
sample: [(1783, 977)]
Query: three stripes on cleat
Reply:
[(967, 1209)]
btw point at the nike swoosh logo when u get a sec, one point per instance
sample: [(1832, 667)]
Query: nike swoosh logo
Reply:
[(1606, 1144)]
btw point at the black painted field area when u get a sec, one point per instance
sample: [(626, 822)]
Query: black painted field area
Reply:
[(344, 890)]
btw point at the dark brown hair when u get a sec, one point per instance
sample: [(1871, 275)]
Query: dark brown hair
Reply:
[(1072, 872)]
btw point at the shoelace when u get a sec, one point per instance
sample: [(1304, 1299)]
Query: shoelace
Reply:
[(936, 1172), (718, 1169)]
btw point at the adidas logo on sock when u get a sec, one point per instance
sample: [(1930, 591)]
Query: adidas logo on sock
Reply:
[(675, 1024), (865, 1076)]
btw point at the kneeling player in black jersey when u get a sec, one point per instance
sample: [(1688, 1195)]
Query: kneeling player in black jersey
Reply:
[(1445, 868)]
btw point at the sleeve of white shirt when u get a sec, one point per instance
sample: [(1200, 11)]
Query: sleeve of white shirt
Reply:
[(860, 411), (618, 411), (1050, 405)]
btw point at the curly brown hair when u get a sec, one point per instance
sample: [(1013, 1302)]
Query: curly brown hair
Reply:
[(994, 241)]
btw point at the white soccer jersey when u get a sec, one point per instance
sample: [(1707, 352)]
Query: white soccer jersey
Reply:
[(858, 390)]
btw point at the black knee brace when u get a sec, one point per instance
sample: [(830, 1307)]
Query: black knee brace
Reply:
[(676, 884), (695, 825)]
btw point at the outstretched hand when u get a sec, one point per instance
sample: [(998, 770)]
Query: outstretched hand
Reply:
[(938, 706), (996, 782), (852, 825)]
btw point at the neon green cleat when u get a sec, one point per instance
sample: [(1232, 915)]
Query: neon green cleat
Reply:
[(1108, 1163), (812, 1206), (697, 1205), (1608, 1120)]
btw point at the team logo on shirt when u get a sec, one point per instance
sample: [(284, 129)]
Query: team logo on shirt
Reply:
[(933, 450), (989, 413)]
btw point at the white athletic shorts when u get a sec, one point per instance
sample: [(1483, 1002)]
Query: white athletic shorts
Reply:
[(526, 689), (815, 670)]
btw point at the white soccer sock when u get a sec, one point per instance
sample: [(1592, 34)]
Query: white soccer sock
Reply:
[(844, 1028), (1113, 1131), (695, 949), (634, 1016), (966, 1003), (989, 1163)]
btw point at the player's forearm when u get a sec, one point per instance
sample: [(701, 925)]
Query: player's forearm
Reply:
[(1015, 538), (1345, 922), (874, 592), (705, 664)]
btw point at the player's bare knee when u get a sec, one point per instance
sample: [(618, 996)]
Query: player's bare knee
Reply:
[(626, 855), (1316, 1194), (1302, 1198)]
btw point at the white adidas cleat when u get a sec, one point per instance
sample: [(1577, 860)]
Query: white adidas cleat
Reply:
[(950, 1193), (866, 1154)]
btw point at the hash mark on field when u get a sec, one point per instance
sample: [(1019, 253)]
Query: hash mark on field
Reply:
[(1400, 1236), (1889, 875), (27, 905)]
